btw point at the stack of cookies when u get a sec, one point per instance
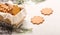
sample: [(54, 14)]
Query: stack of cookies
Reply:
[(8, 8)]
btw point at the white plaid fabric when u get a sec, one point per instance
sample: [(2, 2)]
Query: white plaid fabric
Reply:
[(5, 32)]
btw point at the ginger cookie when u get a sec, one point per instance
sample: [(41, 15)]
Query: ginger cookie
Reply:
[(37, 20), (15, 9), (46, 11)]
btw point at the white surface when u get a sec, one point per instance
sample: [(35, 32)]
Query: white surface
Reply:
[(51, 25)]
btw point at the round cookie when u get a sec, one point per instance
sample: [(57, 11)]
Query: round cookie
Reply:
[(46, 11), (37, 20)]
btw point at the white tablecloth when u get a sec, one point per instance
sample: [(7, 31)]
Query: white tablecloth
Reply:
[(51, 25)]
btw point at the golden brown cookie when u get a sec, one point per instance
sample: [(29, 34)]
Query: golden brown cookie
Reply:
[(9, 7), (4, 6), (46, 11), (15, 9), (37, 20)]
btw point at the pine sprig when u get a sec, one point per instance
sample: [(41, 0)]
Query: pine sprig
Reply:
[(37, 1), (23, 30), (20, 1)]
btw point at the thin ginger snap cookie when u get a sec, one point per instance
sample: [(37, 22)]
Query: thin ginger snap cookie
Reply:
[(46, 11), (37, 20)]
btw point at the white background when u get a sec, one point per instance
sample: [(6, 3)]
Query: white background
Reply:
[(51, 25)]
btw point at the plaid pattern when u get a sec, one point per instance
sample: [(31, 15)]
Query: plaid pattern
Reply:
[(5, 32), (5, 28)]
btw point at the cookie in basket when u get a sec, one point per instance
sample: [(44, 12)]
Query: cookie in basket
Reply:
[(15, 9)]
